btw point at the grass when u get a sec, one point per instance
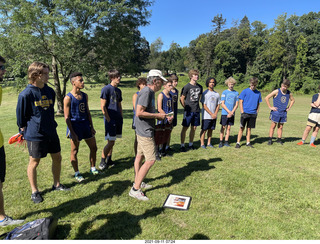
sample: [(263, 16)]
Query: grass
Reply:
[(269, 192)]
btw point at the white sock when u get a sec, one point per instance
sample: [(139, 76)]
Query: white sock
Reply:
[(77, 173), (182, 144), (93, 168)]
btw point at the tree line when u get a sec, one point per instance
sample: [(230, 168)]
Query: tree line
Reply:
[(290, 49), (93, 36)]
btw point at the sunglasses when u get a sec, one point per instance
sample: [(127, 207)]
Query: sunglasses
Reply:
[(2, 67)]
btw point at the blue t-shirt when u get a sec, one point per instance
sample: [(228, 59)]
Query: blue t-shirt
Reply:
[(251, 100), (113, 96), (230, 98)]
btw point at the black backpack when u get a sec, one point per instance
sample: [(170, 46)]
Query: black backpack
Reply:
[(39, 229)]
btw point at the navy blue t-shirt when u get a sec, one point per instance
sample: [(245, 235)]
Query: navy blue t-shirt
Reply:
[(113, 96), (314, 98)]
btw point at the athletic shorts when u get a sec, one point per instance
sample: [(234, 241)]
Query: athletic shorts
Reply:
[(248, 120), (208, 124), (40, 149), (2, 164), (314, 120), (147, 148), (192, 118), (113, 129), (277, 117), (226, 121), (82, 130)]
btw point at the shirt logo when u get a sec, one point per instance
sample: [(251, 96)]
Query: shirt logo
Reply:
[(82, 108), (194, 94), (44, 102), (283, 99)]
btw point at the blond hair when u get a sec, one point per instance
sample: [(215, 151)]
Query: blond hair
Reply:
[(230, 80), (35, 70)]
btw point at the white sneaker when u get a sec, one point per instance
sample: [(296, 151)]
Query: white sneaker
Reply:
[(138, 195), (9, 221), (145, 185)]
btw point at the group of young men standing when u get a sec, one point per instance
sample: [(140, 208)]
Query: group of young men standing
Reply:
[(35, 119)]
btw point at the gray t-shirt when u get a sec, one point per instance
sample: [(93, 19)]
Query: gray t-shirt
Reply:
[(211, 99), (145, 127)]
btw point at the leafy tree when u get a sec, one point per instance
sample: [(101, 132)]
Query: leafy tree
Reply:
[(86, 35)]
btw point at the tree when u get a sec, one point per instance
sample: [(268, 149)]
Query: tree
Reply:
[(218, 22), (86, 35)]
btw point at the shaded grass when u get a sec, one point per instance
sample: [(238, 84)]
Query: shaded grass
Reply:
[(269, 192)]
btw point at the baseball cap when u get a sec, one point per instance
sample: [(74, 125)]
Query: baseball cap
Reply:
[(156, 72)]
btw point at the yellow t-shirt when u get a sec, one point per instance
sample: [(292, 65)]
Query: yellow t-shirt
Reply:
[(1, 137)]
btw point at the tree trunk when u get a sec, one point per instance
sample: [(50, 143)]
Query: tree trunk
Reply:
[(57, 86)]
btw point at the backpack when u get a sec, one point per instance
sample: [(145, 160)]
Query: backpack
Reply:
[(39, 229)]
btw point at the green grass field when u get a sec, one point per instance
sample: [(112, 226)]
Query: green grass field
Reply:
[(269, 192)]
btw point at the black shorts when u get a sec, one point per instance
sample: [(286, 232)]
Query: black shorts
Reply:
[(208, 124), (2, 164), (248, 120), (40, 149), (226, 121)]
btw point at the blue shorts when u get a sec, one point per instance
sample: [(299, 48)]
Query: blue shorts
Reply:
[(208, 124), (192, 118), (277, 117), (113, 129), (226, 121), (82, 130)]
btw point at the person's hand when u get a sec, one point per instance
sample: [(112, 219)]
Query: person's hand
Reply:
[(274, 108), (161, 116)]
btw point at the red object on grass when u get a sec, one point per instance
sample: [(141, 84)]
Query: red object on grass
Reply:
[(16, 138)]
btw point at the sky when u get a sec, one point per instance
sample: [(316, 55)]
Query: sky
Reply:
[(182, 21)]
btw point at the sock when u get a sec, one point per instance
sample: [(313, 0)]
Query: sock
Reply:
[(225, 141), (222, 141), (3, 219), (270, 138), (312, 139), (248, 143), (279, 139), (103, 160), (182, 144), (93, 168), (190, 144), (109, 158), (238, 143), (76, 173), (134, 189), (167, 147), (303, 141)]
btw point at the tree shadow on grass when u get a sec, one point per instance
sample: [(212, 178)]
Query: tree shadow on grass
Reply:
[(180, 174), (261, 140), (76, 205), (118, 226), (121, 165)]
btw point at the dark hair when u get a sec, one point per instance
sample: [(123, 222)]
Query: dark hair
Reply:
[(209, 79), (254, 81), (2, 59), (112, 74), (286, 82), (141, 80), (174, 77), (74, 74)]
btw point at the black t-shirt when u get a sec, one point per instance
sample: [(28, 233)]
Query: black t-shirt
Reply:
[(315, 110), (192, 97)]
